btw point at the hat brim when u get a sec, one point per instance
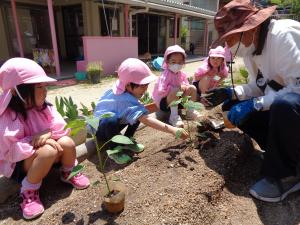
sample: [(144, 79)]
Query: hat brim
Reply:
[(148, 79), (217, 55), (120, 87), (249, 24), (41, 79)]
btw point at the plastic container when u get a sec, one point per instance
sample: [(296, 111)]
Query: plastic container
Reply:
[(80, 75)]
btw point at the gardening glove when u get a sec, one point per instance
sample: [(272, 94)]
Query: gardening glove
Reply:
[(218, 95), (240, 112)]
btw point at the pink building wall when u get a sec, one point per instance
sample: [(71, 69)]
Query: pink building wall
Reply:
[(110, 50)]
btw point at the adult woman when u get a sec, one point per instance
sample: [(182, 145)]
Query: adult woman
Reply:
[(268, 107)]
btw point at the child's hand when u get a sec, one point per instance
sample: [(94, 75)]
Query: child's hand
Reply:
[(55, 145), (40, 139), (181, 133), (183, 87)]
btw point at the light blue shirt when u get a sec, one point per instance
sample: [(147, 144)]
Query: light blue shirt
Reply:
[(125, 106)]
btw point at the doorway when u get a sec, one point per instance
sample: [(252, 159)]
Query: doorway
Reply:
[(73, 29), (151, 32)]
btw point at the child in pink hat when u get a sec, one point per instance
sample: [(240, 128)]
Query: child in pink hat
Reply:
[(32, 134), (123, 101), (170, 82), (212, 72)]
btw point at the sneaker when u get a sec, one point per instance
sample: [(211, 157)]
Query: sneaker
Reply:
[(272, 190), (79, 181), (176, 121), (31, 205), (192, 115)]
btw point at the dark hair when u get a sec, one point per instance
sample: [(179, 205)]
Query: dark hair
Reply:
[(133, 85), (168, 56), (210, 66), (264, 28), (27, 93)]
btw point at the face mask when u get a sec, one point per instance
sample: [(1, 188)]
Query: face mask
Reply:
[(175, 68), (239, 49), (242, 51)]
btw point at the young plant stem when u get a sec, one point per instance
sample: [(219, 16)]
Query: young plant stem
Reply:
[(102, 164), (189, 131)]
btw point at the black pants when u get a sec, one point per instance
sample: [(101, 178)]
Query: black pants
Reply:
[(110, 127), (277, 131)]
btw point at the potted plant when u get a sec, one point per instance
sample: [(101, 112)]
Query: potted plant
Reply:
[(68, 110), (114, 192), (148, 102), (94, 70)]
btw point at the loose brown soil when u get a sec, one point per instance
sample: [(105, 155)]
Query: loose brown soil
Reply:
[(169, 183)]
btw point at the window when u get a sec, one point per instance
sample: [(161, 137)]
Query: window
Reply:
[(110, 22)]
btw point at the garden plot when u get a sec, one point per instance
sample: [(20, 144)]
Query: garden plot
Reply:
[(171, 182)]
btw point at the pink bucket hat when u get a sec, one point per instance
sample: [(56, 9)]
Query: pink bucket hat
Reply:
[(134, 71), (217, 52), (17, 71), (170, 50)]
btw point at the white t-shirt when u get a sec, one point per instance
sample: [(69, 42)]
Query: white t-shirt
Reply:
[(279, 61)]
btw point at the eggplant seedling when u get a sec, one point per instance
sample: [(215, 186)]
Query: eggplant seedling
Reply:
[(187, 104)]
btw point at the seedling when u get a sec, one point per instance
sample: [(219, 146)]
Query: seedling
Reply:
[(66, 107), (146, 98), (187, 105), (86, 111), (120, 157)]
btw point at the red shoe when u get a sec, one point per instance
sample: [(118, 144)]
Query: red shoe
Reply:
[(31, 205), (79, 181)]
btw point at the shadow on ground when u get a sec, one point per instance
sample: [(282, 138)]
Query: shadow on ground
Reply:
[(52, 190), (232, 156)]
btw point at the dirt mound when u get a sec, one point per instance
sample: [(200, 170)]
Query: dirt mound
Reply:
[(171, 182)]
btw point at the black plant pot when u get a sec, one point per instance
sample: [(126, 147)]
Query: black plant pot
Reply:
[(94, 78)]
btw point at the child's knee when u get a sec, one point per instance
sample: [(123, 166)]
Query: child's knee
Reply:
[(66, 143), (47, 151)]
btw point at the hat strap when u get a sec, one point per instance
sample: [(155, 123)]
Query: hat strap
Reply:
[(18, 93), (241, 36)]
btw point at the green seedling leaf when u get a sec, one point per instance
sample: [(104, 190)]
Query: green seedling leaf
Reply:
[(93, 106), (93, 122), (179, 93), (117, 149), (135, 147), (175, 103), (75, 126), (192, 105), (77, 169), (84, 110), (107, 115), (178, 133), (120, 158), (120, 139), (185, 98)]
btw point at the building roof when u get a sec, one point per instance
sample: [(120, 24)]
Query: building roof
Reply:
[(171, 6)]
